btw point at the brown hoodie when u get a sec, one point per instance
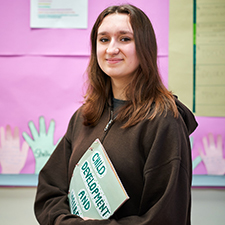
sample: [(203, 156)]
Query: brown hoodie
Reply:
[(152, 159)]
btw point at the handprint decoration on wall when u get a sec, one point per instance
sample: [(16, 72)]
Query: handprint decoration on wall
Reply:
[(213, 157), (42, 143), (12, 155)]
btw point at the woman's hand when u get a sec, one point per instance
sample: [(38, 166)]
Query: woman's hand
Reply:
[(87, 218)]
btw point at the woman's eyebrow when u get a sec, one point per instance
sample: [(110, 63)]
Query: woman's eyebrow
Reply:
[(120, 32), (103, 33)]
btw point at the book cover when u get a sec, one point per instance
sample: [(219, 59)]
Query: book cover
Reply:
[(95, 189)]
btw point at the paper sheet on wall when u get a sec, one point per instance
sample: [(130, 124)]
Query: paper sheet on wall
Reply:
[(198, 78), (180, 50), (58, 14), (210, 58)]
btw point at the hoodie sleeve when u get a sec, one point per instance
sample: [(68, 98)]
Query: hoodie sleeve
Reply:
[(166, 195)]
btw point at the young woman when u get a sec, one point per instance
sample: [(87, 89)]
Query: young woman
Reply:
[(143, 127)]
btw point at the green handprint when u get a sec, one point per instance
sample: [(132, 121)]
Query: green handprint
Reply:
[(198, 159), (42, 143)]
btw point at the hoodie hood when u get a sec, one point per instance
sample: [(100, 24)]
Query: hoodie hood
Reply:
[(187, 115)]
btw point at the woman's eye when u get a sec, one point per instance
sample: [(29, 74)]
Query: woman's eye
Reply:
[(125, 39), (104, 40)]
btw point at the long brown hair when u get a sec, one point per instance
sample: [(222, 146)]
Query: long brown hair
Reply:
[(144, 90)]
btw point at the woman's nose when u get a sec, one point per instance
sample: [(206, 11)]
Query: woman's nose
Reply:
[(113, 48)]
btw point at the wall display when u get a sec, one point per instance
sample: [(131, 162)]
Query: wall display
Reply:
[(42, 82), (199, 80), (58, 14)]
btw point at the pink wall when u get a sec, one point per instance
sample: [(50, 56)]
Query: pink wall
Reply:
[(42, 70)]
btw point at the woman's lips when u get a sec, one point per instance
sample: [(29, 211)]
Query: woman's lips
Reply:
[(113, 60)]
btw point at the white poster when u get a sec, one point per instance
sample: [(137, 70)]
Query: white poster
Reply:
[(58, 14)]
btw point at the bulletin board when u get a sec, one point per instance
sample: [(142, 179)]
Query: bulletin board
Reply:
[(197, 76), (42, 76)]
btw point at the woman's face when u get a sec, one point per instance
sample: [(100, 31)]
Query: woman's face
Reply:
[(116, 52)]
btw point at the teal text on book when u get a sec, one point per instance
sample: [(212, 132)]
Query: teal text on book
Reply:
[(95, 189)]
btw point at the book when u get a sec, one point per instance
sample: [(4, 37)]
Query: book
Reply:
[(95, 189)]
